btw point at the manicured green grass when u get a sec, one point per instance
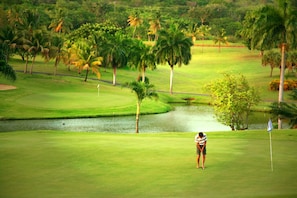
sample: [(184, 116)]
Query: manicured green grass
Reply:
[(64, 164)]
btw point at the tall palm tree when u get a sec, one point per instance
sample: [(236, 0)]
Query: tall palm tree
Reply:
[(55, 51), (134, 21), (60, 21), (155, 25), (275, 26), (142, 57), (38, 43), (114, 52), (174, 48), (142, 90)]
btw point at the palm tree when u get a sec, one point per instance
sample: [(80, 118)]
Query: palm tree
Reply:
[(60, 21), (134, 21), (155, 25), (37, 43), (142, 57), (87, 59), (142, 90), (220, 38), (55, 50), (174, 48), (275, 26), (5, 68), (114, 52), (8, 40)]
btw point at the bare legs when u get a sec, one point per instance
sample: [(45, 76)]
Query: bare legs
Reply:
[(198, 161)]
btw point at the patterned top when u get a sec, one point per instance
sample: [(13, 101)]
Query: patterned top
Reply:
[(201, 140)]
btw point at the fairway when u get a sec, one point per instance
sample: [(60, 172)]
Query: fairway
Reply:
[(65, 164)]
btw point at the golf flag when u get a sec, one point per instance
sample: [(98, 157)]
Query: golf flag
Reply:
[(269, 129), (269, 126)]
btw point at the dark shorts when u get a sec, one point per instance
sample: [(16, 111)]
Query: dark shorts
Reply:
[(203, 152)]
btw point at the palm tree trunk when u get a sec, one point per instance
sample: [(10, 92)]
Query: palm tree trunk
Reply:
[(87, 72), (31, 68), (143, 74), (134, 32), (26, 65), (171, 79), (137, 117), (56, 65), (114, 75), (281, 83), (219, 47), (271, 70)]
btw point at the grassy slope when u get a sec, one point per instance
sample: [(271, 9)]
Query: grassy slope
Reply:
[(63, 164), (50, 96)]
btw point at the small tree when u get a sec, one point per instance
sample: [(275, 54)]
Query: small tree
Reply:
[(272, 58), (142, 90), (220, 38), (232, 99)]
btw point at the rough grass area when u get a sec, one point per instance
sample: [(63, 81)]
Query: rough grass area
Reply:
[(64, 164)]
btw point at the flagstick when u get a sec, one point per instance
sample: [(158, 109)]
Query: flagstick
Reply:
[(271, 163), (269, 129)]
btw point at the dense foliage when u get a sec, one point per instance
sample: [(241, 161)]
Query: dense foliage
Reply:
[(67, 15), (233, 98)]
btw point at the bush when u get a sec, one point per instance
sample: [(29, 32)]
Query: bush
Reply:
[(288, 85)]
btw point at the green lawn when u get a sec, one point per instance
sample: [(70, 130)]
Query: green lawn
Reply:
[(47, 96), (64, 164)]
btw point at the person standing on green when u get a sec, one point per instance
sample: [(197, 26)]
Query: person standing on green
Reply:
[(200, 140)]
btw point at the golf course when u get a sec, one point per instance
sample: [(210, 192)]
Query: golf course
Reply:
[(47, 163)]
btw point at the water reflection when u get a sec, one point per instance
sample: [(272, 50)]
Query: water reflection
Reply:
[(182, 119)]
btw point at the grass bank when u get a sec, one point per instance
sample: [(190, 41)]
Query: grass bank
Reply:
[(64, 164)]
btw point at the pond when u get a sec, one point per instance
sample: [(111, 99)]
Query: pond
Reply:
[(188, 118)]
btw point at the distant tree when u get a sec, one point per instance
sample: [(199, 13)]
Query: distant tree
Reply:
[(60, 21), (142, 90), (38, 43), (174, 48), (220, 38), (155, 25), (87, 59), (142, 57), (232, 98), (55, 50), (134, 21), (272, 58), (114, 52), (291, 62)]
